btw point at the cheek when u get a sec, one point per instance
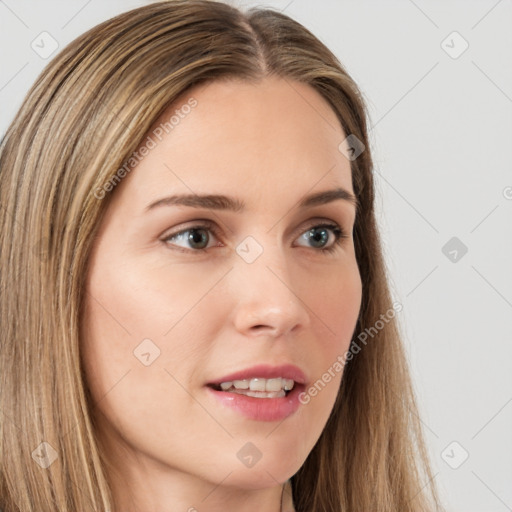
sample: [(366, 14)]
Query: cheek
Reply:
[(335, 308), (147, 300), (133, 318), (140, 313)]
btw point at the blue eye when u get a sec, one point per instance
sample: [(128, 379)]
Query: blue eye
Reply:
[(324, 237), (320, 235)]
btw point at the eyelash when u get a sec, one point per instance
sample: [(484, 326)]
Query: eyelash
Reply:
[(339, 235)]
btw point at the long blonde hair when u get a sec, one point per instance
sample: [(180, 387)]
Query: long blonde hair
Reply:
[(82, 119)]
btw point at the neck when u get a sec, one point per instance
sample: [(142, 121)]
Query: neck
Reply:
[(287, 498)]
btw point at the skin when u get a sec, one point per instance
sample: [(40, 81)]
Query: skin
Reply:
[(171, 445)]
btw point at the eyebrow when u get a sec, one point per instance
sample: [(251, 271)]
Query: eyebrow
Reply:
[(222, 202)]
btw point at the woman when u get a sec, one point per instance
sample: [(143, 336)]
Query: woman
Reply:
[(190, 271)]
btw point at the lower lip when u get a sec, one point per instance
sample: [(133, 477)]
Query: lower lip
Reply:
[(261, 409)]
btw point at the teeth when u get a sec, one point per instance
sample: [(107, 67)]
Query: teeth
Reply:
[(274, 384), (260, 394), (288, 384), (259, 384)]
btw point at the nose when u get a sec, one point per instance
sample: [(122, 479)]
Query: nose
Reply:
[(267, 297)]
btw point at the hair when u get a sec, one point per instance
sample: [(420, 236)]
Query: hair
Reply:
[(85, 115)]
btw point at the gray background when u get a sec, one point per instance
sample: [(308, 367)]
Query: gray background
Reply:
[(441, 139)]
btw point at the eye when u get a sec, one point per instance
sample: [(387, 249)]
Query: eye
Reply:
[(196, 237), (325, 237)]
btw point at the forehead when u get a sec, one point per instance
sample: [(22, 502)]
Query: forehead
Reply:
[(273, 138)]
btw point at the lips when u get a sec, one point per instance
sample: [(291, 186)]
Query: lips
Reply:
[(286, 371), (258, 405)]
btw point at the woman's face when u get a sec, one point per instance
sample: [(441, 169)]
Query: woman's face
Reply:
[(184, 296)]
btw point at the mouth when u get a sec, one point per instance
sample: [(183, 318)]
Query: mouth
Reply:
[(262, 380), (257, 387), (262, 393)]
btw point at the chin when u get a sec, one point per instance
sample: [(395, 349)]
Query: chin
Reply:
[(259, 466), (261, 476)]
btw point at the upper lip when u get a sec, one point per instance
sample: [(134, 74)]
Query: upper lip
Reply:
[(287, 371)]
